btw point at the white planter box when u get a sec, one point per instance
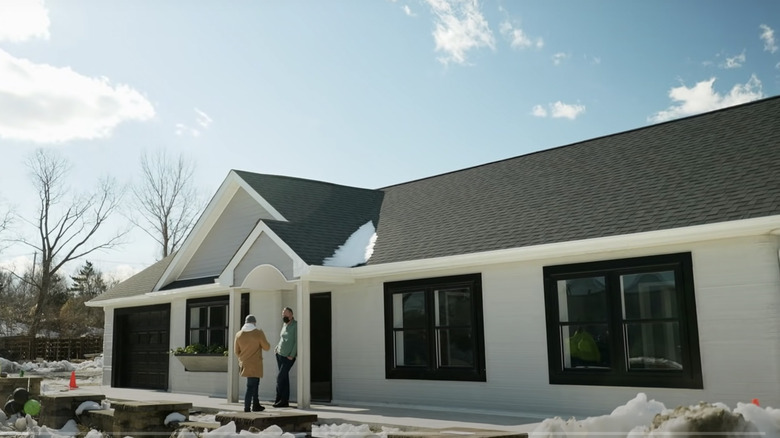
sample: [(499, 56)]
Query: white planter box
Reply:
[(203, 362)]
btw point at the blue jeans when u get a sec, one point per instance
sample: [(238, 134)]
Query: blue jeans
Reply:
[(283, 378), (252, 392)]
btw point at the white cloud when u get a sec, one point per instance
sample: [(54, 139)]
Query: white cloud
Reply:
[(518, 39), (559, 57), (408, 11), (539, 111), (21, 20), (735, 62), (182, 129), (460, 27), (768, 36), (702, 98), (564, 110), (46, 104), (558, 110), (18, 264), (121, 272), (202, 118)]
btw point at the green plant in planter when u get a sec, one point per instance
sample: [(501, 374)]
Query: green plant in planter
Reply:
[(200, 349)]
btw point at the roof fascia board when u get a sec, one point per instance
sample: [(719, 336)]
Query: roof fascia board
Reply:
[(136, 301), (160, 296), (329, 274), (650, 239), (191, 292), (226, 278)]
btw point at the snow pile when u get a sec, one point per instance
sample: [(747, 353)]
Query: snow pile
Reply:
[(9, 367), (44, 368), (22, 425), (640, 418), (70, 429), (174, 417), (88, 406), (349, 430), (48, 367), (229, 431)]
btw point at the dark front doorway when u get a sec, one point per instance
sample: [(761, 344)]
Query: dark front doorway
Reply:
[(321, 354), (140, 350)]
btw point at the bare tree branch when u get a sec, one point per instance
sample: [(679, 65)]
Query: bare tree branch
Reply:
[(6, 219), (166, 199), (67, 224)]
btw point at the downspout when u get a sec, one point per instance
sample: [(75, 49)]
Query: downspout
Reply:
[(304, 345), (776, 233)]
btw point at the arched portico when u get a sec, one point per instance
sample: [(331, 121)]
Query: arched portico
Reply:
[(268, 278)]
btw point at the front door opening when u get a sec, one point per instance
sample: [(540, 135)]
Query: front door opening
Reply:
[(321, 348)]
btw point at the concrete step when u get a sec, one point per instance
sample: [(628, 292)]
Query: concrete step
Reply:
[(200, 425), (99, 419), (124, 418), (288, 420)]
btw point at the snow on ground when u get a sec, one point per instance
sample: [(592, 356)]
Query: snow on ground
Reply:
[(638, 418)]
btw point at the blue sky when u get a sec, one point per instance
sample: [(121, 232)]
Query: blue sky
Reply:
[(365, 93)]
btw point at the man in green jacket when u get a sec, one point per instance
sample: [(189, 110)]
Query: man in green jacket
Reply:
[(286, 351)]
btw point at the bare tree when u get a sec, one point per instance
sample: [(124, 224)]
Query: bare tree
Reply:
[(6, 217), (166, 199), (67, 224)]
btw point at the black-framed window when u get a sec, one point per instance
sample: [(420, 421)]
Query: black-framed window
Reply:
[(434, 329), (627, 322), (207, 320)]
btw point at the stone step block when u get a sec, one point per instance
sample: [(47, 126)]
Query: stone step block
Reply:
[(58, 408), (289, 421)]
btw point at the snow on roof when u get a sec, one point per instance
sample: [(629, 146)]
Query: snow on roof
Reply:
[(356, 250)]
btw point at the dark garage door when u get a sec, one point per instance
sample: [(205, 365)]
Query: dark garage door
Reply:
[(140, 353)]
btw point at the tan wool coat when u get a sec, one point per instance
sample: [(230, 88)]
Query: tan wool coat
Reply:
[(247, 347)]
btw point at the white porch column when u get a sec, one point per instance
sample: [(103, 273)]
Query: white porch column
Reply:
[(304, 343), (234, 316)]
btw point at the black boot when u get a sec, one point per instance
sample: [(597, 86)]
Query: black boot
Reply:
[(258, 407)]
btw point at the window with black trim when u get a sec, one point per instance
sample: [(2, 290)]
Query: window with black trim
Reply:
[(627, 322), (434, 329), (207, 321)]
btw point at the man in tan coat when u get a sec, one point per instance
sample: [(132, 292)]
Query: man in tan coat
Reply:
[(248, 346)]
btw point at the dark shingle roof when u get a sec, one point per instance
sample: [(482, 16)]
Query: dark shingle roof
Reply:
[(139, 283), (321, 216), (715, 167)]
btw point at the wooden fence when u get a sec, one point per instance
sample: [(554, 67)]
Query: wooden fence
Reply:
[(20, 348)]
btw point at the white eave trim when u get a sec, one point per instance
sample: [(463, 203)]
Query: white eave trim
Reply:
[(163, 296), (650, 239), (329, 274), (192, 291)]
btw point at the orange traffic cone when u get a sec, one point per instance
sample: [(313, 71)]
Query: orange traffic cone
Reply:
[(73, 380)]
